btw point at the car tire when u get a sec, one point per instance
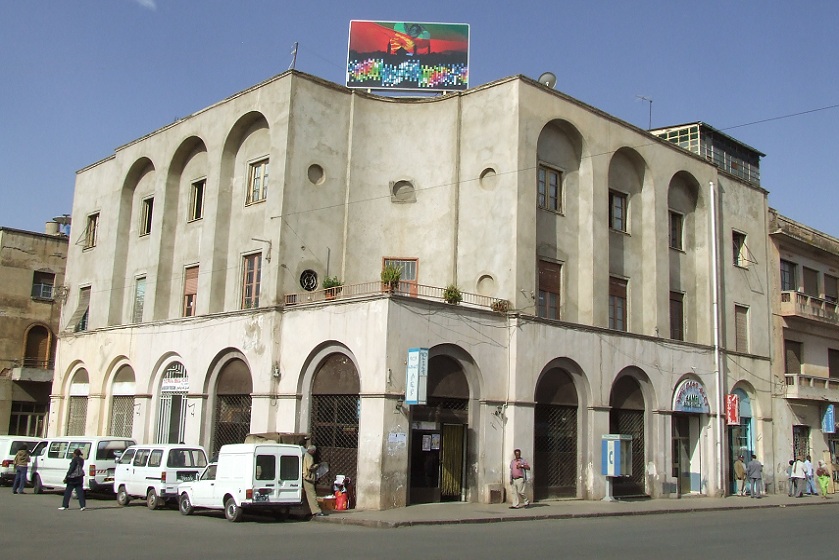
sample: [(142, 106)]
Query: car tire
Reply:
[(153, 501), (231, 511), (123, 498), (37, 485), (184, 505)]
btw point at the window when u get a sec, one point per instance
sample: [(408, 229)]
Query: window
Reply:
[(617, 211), (250, 282), (409, 268), (738, 242), (142, 457), (90, 231), (139, 299), (289, 467), (617, 304), (257, 182), (549, 188), (196, 200), (792, 356), (549, 295), (677, 316), (676, 227), (107, 450), (788, 280), (190, 290), (146, 215), (76, 416), (127, 457), (830, 288), (78, 321), (155, 458), (833, 363), (741, 328), (811, 282), (42, 285), (266, 467)]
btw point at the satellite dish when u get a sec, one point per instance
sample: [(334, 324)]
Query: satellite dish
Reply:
[(548, 79), (64, 219)]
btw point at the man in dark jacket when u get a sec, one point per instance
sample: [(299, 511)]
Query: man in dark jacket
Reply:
[(754, 472), (74, 481)]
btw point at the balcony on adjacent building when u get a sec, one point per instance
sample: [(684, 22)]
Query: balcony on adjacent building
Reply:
[(799, 304), (808, 387)]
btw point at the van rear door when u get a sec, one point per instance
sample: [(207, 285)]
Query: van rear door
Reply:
[(277, 476)]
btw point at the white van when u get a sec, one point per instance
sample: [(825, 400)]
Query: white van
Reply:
[(153, 472), (248, 477), (51, 459), (9, 446)]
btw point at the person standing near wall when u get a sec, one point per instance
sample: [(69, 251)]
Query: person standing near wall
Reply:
[(21, 464), (740, 475), (754, 471), (309, 478), (518, 480), (808, 472), (799, 476)]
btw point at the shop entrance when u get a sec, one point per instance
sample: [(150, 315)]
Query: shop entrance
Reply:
[(683, 451), (437, 463)]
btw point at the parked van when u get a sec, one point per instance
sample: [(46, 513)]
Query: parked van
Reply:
[(51, 459), (153, 472), (248, 477), (9, 446)]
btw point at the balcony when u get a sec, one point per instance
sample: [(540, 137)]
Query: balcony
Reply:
[(798, 304), (405, 289), (811, 388)]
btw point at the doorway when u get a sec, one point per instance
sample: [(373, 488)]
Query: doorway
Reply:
[(682, 452), (437, 459)]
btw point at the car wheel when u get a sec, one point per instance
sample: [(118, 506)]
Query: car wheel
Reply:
[(122, 496), (37, 486), (231, 511), (153, 501), (184, 505)]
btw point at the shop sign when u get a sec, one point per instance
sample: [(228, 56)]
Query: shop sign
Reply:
[(732, 409), (829, 419), (175, 385), (690, 397), (416, 376)]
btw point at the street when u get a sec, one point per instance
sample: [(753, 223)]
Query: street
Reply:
[(32, 524)]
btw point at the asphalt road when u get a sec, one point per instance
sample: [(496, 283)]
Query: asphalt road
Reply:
[(31, 526)]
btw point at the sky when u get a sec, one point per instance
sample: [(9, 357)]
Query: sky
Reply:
[(79, 78)]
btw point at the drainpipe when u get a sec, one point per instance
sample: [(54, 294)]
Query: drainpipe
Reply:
[(716, 311)]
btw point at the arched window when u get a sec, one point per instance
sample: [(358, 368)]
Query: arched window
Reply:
[(171, 421)]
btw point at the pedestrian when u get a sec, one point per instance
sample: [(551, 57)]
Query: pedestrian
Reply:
[(809, 472), (518, 480), (823, 475), (21, 464), (310, 476), (754, 471), (74, 481), (740, 475), (798, 476), (790, 480)]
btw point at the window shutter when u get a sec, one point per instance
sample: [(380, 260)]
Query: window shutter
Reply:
[(81, 309), (741, 327), (191, 281)]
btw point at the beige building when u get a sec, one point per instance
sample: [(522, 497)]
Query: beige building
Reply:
[(31, 275), (612, 282), (805, 305)]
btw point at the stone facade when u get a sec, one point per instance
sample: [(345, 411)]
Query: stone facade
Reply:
[(574, 237)]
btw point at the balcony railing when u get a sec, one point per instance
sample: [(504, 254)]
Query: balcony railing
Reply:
[(799, 304), (800, 386), (407, 289)]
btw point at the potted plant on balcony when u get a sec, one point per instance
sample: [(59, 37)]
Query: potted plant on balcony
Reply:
[(452, 294), (501, 305), (332, 286), (391, 274)]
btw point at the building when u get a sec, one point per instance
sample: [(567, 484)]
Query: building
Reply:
[(31, 275), (611, 282), (805, 282)]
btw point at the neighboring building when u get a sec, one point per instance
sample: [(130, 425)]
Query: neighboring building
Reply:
[(612, 283), (31, 275), (805, 306)]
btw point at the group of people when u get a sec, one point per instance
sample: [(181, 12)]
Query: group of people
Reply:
[(802, 477), (74, 479), (750, 474)]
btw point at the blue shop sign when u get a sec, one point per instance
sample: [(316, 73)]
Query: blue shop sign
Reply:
[(829, 419), (690, 397)]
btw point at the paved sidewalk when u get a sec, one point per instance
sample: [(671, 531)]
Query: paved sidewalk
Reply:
[(459, 512)]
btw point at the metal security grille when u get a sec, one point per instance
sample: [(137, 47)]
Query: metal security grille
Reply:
[(76, 416), (449, 403), (335, 432), (555, 451), (122, 416), (631, 422), (801, 441), (233, 420)]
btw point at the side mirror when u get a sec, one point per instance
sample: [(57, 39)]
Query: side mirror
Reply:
[(118, 456)]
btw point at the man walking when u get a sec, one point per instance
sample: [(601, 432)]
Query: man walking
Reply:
[(798, 476), (21, 464), (754, 471), (518, 478)]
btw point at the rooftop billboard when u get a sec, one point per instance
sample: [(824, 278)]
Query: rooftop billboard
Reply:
[(408, 56)]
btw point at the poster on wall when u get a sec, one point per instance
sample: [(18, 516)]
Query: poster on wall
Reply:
[(408, 55), (829, 419), (732, 409)]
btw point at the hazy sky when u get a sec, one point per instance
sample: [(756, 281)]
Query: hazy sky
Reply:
[(79, 78)]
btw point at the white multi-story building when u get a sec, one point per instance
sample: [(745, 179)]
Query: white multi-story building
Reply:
[(611, 281)]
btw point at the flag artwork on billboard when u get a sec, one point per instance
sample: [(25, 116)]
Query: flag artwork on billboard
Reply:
[(408, 56)]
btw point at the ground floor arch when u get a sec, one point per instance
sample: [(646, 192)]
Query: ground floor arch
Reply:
[(628, 416), (555, 436)]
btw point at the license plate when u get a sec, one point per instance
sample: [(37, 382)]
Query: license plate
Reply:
[(189, 477), (261, 497)]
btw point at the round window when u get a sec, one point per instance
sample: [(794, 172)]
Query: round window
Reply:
[(309, 280)]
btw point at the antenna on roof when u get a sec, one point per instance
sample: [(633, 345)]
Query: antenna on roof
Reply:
[(293, 57), (650, 101), (548, 79)]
